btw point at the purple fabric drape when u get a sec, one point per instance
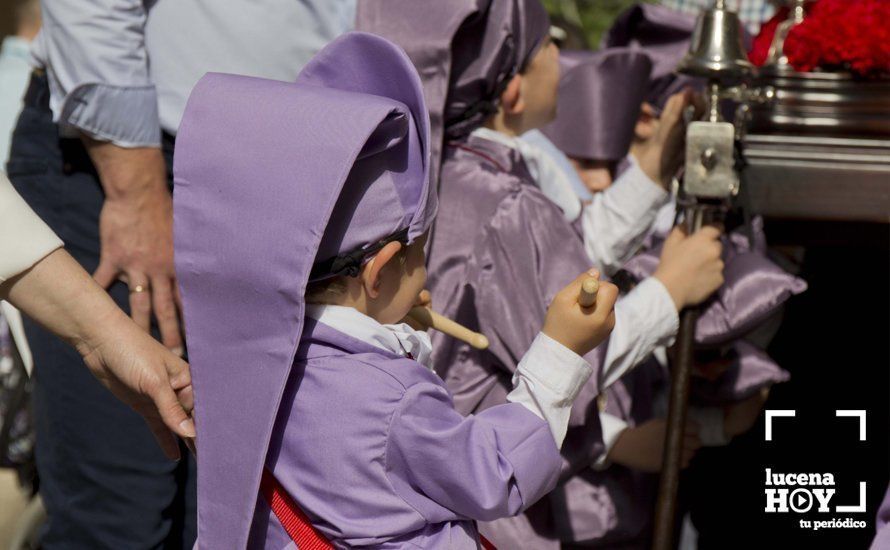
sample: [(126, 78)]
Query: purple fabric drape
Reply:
[(424, 29), (754, 286)]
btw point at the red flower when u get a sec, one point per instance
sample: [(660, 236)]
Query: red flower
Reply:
[(846, 35), (764, 39)]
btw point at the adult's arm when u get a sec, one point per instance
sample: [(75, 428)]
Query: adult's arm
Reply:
[(46, 283), (57, 293), (24, 238), (100, 89)]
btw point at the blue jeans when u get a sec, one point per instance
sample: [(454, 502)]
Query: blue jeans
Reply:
[(103, 478)]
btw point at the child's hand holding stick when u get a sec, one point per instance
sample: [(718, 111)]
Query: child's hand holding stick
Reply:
[(581, 315), (589, 288), (593, 325)]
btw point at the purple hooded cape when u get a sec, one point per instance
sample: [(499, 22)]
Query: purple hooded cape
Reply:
[(465, 51), (492, 46), (664, 35), (600, 94), (424, 29), (259, 168), (501, 250)]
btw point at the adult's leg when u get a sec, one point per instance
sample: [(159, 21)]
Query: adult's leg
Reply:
[(104, 479)]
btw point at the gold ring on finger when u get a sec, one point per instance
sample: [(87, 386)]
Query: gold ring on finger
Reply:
[(138, 288)]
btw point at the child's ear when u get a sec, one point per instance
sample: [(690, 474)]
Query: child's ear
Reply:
[(511, 97), (371, 271), (647, 122)]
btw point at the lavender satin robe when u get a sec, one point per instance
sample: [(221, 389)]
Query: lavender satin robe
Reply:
[(755, 287), (613, 507), (610, 508), (500, 251), (370, 446)]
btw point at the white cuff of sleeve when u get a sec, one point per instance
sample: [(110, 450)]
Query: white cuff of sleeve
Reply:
[(710, 424), (645, 319), (24, 238), (124, 115), (635, 190), (547, 381), (618, 219), (612, 427), (667, 318), (662, 321)]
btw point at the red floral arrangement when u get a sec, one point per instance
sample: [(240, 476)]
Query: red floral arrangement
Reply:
[(836, 35)]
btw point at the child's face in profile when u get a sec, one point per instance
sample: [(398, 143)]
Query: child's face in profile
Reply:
[(595, 174), (540, 82), (645, 127), (401, 282), (598, 175)]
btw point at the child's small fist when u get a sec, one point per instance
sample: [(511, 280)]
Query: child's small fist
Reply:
[(581, 328), (691, 267)]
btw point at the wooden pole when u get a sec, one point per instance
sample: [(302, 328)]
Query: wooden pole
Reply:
[(669, 483), (665, 511)]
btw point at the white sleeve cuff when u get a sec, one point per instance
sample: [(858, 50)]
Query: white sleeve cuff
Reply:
[(24, 238), (124, 115), (645, 319), (710, 424), (547, 381), (612, 427), (635, 190), (664, 315), (618, 219)]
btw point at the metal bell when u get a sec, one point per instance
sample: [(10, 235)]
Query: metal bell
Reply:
[(716, 51)]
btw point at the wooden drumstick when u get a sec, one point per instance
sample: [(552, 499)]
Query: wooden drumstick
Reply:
[(589, 288), (431, 319)]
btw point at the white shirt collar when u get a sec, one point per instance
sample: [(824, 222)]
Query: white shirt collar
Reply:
[(399, 339)]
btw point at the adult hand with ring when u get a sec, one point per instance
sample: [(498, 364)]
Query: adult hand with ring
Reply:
[(59, 294), (136, 234)]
